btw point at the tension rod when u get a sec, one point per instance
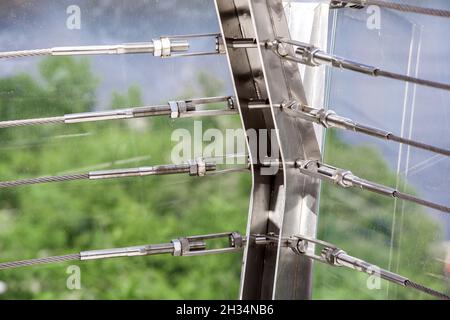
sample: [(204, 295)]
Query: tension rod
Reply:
[(194, 168), (164, 47), (184, 246), (359, 4), (175, 109), (334, 256), (310, 55), (347, 179), (329, 119)]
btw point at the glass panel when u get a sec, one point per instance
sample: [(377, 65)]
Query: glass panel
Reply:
[(61, 218), (404, 238)]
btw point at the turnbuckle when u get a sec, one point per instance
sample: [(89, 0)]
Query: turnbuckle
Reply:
[(184, 246), (218, 42), (191, 108), (316, 169), (313, 56)]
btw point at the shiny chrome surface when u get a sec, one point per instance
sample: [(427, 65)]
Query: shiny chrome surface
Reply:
[(312, 56)]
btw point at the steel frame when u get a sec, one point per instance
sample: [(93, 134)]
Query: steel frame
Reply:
[(284, 203)]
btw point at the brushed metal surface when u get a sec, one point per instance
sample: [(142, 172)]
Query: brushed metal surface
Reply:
[(284, 203), (258, 272), (298, 141)]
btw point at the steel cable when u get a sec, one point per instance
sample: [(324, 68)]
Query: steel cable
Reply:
[(32, 262), (403, 7), (31, 122), (25, 53), (426, 290), (420, 145), (429, 204), (401, 77), (23, 182)]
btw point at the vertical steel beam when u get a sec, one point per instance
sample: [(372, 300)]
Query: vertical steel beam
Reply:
[(284, 203), (298, 141), (267, 198)]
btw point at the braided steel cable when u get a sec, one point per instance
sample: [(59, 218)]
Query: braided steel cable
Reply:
[(32, 262), (403, 7), (25, 53), (31, 122), (23, 182), (426, 290)]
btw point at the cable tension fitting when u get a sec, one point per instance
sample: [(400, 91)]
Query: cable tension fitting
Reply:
[(312, 56), (329, 119), (184, 246), (346, 179), (194, 168), (174, 109), (164, 47), (334, 256)]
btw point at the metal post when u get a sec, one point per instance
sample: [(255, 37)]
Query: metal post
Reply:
[(282, 203), (298, 139), (267, 196)]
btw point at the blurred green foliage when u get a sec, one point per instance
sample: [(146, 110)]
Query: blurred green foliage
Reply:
[(69, 217)]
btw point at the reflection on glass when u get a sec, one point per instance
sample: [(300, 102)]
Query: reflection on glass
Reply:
[(405, 238)]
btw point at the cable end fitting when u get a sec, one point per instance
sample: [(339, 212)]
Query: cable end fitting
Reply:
[(164, 46)]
